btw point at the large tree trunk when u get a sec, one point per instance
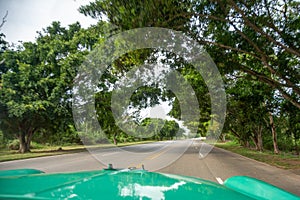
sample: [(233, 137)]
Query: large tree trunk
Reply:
[(254, 139), (297, 148), (274, 134), (223, 137), (243, 142), (257, 138), (25, 140), (24, 145), (115, 139), (247, 144)]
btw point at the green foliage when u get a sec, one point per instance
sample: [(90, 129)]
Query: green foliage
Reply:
[(255, 37), (247, 111), (37, 81), (255, 45), (136, 14), (168, 131), (2, 140), (13, 144)]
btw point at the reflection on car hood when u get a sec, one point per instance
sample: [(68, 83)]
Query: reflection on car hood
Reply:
[(110, 184)]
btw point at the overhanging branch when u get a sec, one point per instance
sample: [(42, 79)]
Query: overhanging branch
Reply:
[(4, 19)]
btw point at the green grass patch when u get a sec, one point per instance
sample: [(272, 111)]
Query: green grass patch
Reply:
[(282, 160), (7, 155)]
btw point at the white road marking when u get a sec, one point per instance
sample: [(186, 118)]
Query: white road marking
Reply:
[(219, 180), (108, 154)]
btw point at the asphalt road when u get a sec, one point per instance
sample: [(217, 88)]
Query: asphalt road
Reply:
[(166, 157)]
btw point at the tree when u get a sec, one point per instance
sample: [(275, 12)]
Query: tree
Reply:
[(126, 15), (291, 119), (169, 130), (105, 116), (247, 111), (3, 47), (274, 132), (260, 38), (37, 81), (3, 20), (254, 43)]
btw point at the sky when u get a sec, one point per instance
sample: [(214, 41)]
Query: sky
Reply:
[(26, 17)]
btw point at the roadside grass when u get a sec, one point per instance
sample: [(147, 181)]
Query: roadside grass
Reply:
[(7, 155), (282, 160), (40, 151)]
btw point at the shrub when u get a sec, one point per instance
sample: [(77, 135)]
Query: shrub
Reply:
[(13, 144)]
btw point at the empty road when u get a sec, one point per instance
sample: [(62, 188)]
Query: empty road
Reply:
[(166, 157)]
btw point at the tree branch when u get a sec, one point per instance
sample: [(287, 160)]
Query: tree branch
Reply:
[(227, 47), (4, 19), (272, 83), (264, 58), (257, 29)]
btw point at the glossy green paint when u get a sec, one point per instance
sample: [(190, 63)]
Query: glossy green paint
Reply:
[(19, 172), (258, 189), (113, 184)]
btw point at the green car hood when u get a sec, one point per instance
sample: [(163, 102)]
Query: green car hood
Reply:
[(122, 184)]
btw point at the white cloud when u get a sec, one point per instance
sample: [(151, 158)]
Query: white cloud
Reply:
[(27, 17)]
